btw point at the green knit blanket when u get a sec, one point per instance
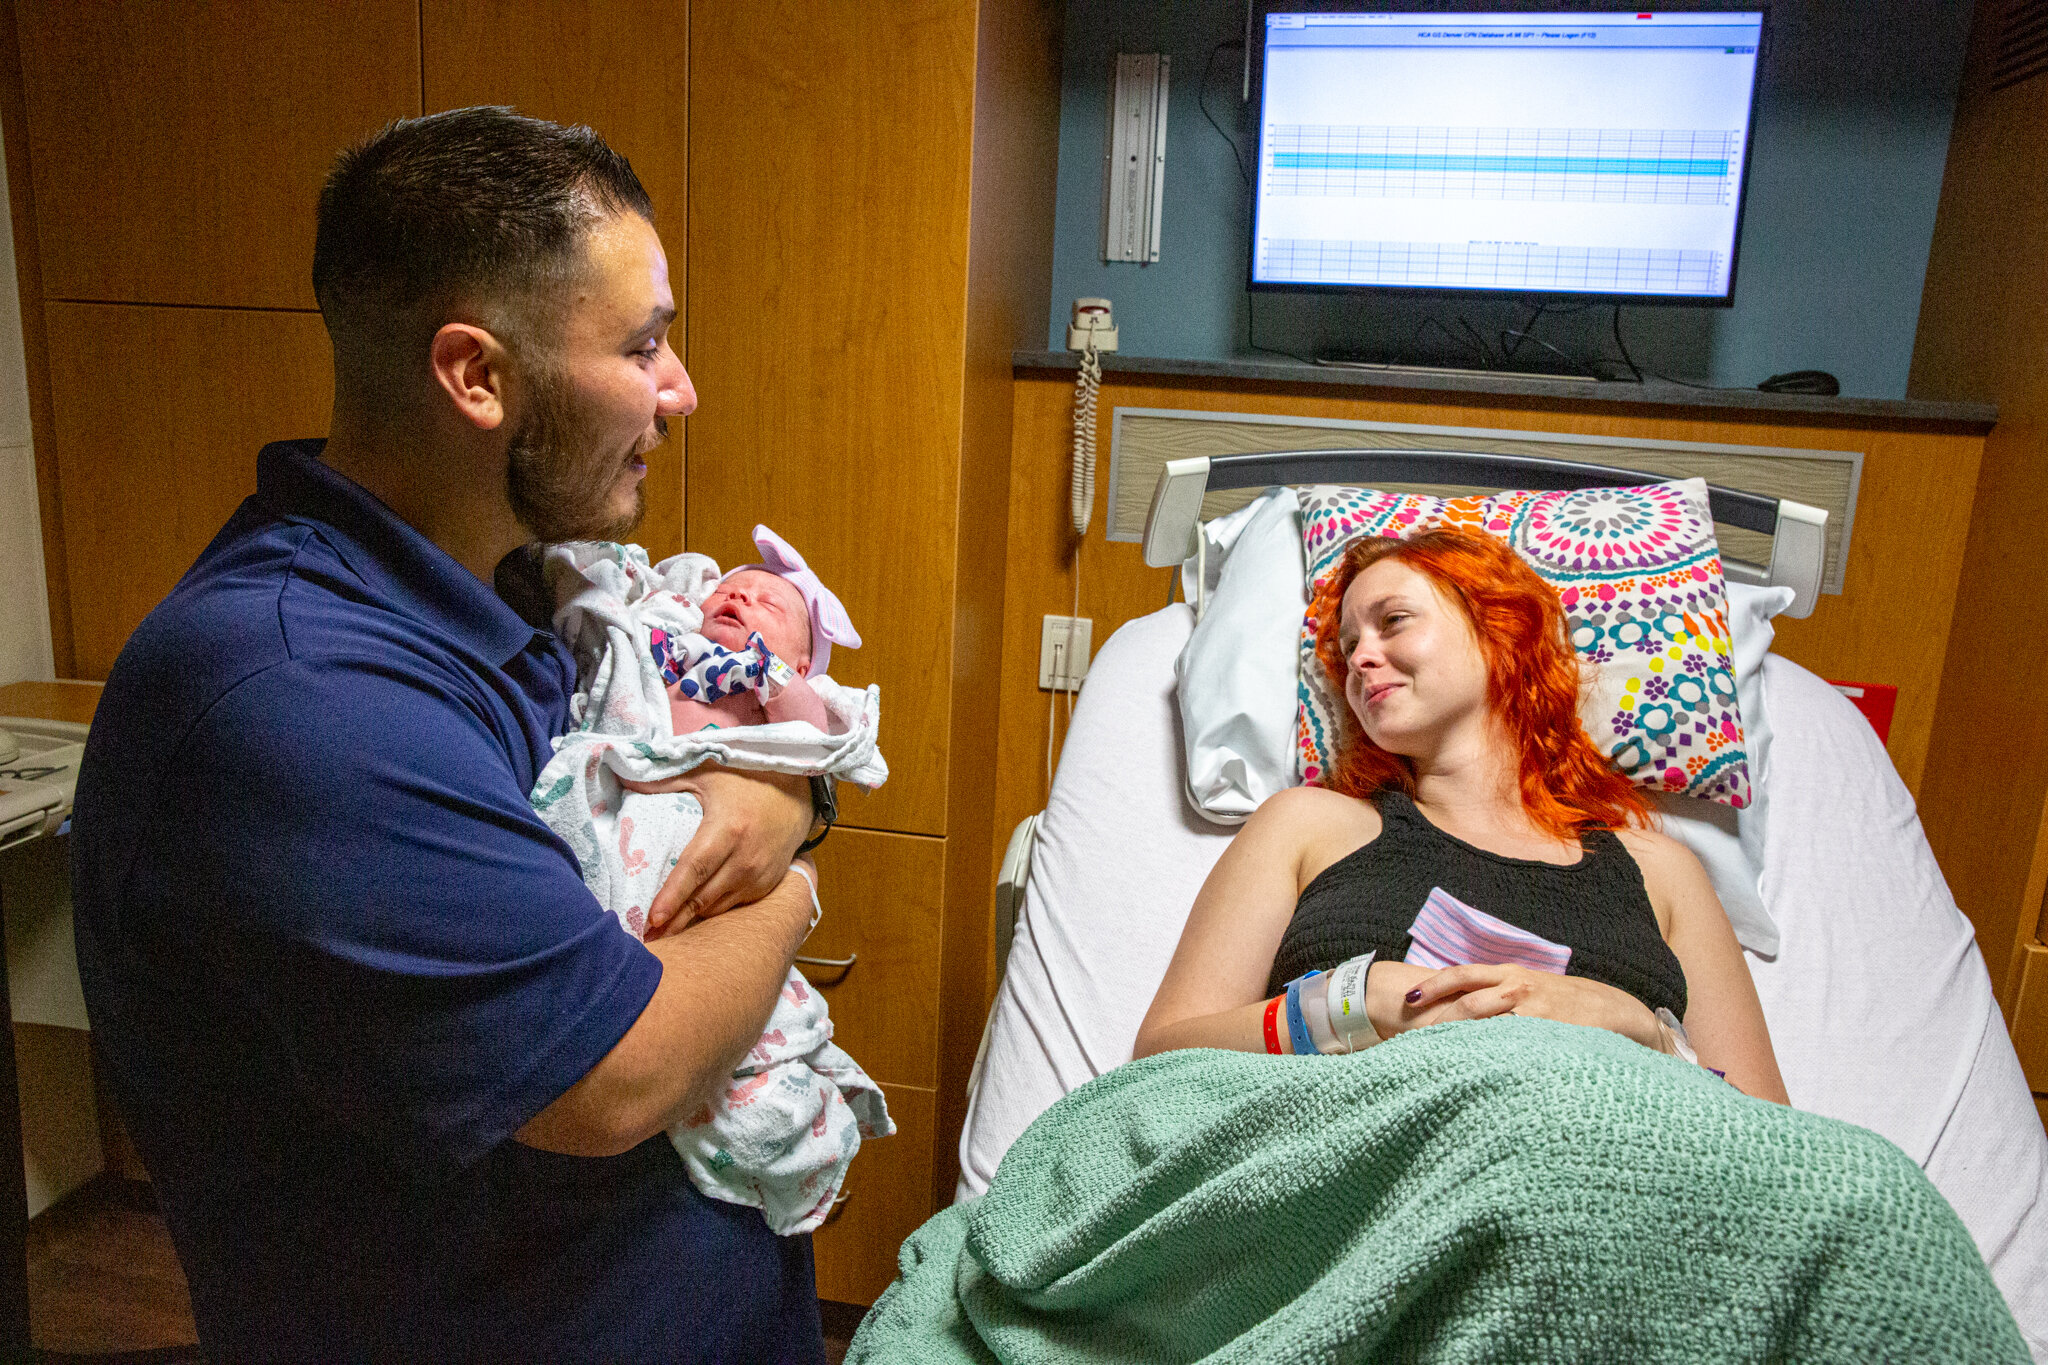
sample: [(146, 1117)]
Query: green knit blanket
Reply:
[(1509, 1190)]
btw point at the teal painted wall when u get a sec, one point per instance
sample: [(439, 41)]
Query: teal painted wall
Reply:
[(1854, 105)]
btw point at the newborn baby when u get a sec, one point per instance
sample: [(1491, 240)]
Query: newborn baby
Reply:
[(678, 664), (767, 628)]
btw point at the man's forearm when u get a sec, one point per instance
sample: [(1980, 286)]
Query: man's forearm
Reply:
[(718, 986)]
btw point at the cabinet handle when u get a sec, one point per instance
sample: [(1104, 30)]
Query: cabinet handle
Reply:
[(842, 964), (837, 1205)]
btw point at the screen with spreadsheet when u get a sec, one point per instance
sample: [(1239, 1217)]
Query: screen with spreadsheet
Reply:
[(1529, 154)]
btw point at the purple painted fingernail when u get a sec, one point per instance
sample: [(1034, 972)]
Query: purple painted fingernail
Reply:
[(1415, 995)]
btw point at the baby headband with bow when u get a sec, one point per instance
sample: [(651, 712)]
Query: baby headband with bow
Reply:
[(830, 625)]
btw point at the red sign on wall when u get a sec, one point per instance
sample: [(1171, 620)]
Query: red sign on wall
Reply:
[(1875, 700)]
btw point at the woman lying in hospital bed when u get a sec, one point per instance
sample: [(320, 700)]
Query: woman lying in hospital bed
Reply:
[(1498, 1188), (1469, 855)]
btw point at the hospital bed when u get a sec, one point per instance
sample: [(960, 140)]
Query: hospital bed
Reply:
[(1879, 1003)]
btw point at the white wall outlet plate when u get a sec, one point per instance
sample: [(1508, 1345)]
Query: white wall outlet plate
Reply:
[(1063, 652)]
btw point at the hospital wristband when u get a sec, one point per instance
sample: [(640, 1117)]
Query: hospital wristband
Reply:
[(1273, 1025), (775, 678), (1678, 1045), (1297, 1026), (1344, 1003)]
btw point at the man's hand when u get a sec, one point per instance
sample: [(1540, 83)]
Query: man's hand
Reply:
[(753, 822)]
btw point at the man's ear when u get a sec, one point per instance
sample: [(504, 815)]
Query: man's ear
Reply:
[(469, 365)]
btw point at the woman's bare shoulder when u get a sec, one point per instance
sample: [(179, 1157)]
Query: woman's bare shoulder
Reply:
[(1314, 803), (1671, 872), (1320, 825), (1646, 841)]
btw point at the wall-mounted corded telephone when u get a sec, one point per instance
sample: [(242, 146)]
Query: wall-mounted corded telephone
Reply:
[(1092, 330)]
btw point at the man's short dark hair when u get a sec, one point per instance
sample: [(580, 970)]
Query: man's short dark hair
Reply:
[(481, 205)]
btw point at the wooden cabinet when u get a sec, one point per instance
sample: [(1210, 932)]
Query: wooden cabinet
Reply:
[(622, 67), (171, 154), (1982, 334), (856, 200), (177, 148), (157, 414), (870, 236)]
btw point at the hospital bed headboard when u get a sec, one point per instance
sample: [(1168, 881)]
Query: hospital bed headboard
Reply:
[(1798, 532)]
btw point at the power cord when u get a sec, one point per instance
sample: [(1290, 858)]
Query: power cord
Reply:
[(1202, 102), (1244, 173)]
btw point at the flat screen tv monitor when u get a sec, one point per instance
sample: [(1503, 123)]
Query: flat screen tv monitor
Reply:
[(1542, 156)]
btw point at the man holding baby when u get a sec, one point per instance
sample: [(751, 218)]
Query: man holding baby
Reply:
[(400, 1083)]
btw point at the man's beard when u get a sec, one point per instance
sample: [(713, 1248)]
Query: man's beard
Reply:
[(558, 491)]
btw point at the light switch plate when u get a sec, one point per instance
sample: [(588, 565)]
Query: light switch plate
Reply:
[(1063, 653)]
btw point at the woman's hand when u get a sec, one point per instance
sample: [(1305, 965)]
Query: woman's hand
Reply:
[(1487, 991)]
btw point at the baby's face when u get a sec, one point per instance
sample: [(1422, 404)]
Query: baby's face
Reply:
[(751, 601)]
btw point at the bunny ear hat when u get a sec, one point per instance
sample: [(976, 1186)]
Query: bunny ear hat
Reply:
[(830, 625)]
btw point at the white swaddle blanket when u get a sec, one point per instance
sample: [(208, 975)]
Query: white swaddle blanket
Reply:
[(780, 1136)]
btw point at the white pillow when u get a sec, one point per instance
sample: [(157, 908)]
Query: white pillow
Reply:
[(1236, 677), (1237, 688), (1730, 843)]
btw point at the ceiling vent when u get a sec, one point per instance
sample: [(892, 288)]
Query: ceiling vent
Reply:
[(2022, 43)]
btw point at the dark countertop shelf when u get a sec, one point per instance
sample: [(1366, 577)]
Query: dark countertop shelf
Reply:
[(1654, 393)]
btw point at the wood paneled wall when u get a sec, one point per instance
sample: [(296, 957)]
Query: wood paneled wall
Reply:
[(1983, 335), (851, 317)]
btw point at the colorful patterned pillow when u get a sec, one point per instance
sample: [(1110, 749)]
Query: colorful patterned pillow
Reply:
[(1639, 574)]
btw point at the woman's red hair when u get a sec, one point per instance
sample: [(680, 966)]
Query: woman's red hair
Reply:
[(1532, 681)]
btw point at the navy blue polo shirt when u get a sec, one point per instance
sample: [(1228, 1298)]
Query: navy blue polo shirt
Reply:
[(333, 961)]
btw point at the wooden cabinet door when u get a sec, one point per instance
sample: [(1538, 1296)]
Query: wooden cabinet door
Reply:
[(622, 68), (888, 1194), (882, 895), (158, 415), (178, 147), (829, 162)]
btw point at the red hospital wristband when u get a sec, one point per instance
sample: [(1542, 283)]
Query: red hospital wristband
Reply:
[(1273, 1024)]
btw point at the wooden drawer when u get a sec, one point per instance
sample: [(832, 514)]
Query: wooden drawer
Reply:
[(881, 894), (2029, 1018), (888, 1193)]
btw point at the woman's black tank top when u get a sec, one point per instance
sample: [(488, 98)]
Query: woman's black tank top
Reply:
[(1366, 901)]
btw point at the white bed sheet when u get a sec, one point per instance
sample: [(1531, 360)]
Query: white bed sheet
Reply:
[(1878, 1001)]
